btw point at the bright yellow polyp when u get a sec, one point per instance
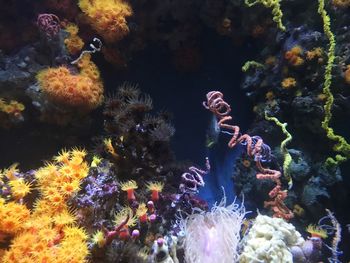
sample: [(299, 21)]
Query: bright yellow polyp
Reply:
[(128, 185), (155, 186)]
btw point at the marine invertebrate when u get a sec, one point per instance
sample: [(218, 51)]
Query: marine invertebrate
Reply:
[(341, 145), (12, 108), (276, 10), (315, 53), (270, 240), (141, 212), (108, 18), (73, 42), (47, 233), (255, 148), (252, 64), (83, 91), (203, 240), (20, 188), (129, 187), (287, 157), (288, 83), (49, 24), (193, 179), (294, 56), (155, 188), (316, 231), (334, 228)]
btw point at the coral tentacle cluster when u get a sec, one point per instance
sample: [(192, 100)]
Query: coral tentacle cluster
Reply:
[(83, 91), (108, 17)]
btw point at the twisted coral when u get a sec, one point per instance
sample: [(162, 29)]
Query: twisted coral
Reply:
[(255, 148)]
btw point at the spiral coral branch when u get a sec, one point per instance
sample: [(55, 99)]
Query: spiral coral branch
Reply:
[(194, 178), (255, 148), (49, 24)]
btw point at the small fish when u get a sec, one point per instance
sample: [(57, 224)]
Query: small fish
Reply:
[(213, 132)]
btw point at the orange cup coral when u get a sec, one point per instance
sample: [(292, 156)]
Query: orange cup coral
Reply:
[(83, 92), (108, 17)]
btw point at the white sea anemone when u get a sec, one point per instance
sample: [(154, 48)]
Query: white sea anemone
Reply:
[(213, 236)]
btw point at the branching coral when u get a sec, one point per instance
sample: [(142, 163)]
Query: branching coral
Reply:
[(341, 145), (108, 17), (276, 10), (83, 91), (47, 233), (255, 148)]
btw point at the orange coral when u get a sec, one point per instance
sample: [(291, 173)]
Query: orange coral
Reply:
[(293, 56), (288, 83), (73, 43), (83, 91), (108, 17)]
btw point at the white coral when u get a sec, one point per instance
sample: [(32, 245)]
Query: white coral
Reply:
[(270, 240)]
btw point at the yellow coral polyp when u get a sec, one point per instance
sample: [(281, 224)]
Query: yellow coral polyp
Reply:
[(122, 215), (108, 17), (62, 157), (20, 188), (316, 231), (99, 239)]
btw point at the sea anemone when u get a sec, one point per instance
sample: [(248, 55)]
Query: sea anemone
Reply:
[(210, 236)]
